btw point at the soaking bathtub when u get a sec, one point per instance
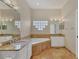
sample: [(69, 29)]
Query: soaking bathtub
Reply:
[(39, 45), (39, 40)]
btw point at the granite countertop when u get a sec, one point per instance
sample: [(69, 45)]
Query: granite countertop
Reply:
[(12, 47)]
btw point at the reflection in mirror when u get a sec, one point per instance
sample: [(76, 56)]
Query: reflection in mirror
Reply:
[(61, 26), (11, 19), (56, 27), (9, 22)]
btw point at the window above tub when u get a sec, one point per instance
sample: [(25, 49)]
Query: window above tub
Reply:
[(40, 25)]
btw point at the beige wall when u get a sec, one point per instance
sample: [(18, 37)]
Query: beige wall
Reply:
[(69, 13), (25, 13), (46, 15), (53, 13)]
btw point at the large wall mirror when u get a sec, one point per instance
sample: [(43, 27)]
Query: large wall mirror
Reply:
[(56, 27), (9, 19)]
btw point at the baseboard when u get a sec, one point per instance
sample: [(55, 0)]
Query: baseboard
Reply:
[(71, 52)]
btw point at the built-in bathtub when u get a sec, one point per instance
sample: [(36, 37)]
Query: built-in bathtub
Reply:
[(39, 45), (39, 40)]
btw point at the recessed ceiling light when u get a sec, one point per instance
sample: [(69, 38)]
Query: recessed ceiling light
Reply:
[(37, 3)]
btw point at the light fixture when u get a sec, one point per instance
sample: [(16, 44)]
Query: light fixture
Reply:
[(57, 19), (6, 19), (62, 19), (37, 3), (51, 19), (10, 19), (0, 44)]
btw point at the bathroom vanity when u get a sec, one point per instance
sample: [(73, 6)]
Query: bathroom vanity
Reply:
[(10, 23), (39, 45), (19, 50), (57, 40)]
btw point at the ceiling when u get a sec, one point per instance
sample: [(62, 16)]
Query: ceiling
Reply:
[(46, 4)]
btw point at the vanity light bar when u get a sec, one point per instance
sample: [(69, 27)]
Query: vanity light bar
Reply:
[(6, 20), (60, 20)]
